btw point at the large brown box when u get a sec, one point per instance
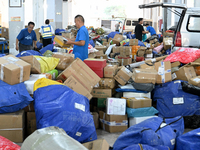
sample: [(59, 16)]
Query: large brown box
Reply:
[(116, 49), (124, 61), (195, 81), (12, 126), (138, 102), (107, 83), (146, 66), (185, 73), (123, 75), (60, 41), (104, 48), (15, 70), (35, 65), (167, 42), (164, 72), (175, 64), (65, 60), (120, 125), (117, 39), (99, 144), (125, 51), (133, 42), (99, 53), (82, 73), (30, 123), (102, 93), (68, 35), (96, 119), (5, 33), (73, 84), (110, 71), (144, 76)]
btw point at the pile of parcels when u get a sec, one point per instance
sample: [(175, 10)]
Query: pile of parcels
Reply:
[(150, 102)]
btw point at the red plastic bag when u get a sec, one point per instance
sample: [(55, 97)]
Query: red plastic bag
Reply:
[(5, 144), (184, 55)]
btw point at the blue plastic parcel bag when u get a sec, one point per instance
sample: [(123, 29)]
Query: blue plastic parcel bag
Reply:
[(28, 53), (13, 97), (152, 132), (172, 101), (146, 147), (189, 141), (58, 105), (48, 47), (141, 112)]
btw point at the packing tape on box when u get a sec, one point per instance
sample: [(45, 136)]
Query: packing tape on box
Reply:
[(123, 123), (162, 71), (11, 129), (12, 61)]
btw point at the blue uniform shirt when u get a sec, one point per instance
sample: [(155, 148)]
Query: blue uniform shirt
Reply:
[(151, 30), (26, 38), (81, 51)]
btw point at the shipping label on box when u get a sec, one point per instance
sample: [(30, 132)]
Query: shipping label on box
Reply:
[(14, 70), (195, 81), (116, 106), (110, 71), (164, 72), (144, 76), (139, 102)]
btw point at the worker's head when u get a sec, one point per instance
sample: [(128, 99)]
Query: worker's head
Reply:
[(31, 26), (47, 21), (119, 22), (79, 21), (146, 24), (140, 20)]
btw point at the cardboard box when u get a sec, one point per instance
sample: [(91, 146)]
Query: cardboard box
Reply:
[(15, 70), (113, 123), (35, 65), (5, 33), (133, 42), (92, 55), (31, 123), (68, 35), (164, 72), (175, 64), (141, 51), (195, 81), (123, 75), (12, 126), (104, 40), (145, 66), (110, 71), (148, 51), (185, 73), (102, 93), (116, 49), (107, 83), (110, 39), (99, 144), (37, 34), (144, 76), (103, 48), (73, 84), (116, 106), (117, 39), (60, 41), (96, 119), (65, 60), (136, 120), (136, 94), (105, 43), (104, 56), (138, 102), (124, 61), (167, 42), (166, 34), (29, 108), (125, 51), (99, 53), (79, 70)]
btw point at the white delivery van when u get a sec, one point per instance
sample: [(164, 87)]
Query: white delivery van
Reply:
[(187, 33)]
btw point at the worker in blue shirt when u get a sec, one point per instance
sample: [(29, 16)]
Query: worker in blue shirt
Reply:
[(26, 38), (80, 49), (150, 29)]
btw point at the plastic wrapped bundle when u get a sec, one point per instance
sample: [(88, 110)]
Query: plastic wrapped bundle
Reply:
[(51, 138)]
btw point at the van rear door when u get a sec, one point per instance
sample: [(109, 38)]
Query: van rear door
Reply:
[(164, 5)]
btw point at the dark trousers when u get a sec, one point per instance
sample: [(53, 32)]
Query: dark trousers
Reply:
[(46, 41), (23, 47)]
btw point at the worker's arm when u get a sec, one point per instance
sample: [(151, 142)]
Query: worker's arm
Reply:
[(35, 44), (144, 32), (79, 43), (17, 42)]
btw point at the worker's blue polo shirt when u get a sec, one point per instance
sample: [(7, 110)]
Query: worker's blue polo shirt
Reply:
[(81, 51), (26, 38), (151, 30)]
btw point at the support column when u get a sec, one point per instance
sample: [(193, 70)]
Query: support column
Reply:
[(58, 13), (50, 4), (38, 13), (65, 14), (16, 24), (196, 3)]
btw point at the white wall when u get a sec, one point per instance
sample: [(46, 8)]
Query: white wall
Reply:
[(65, 15), (51, 11)]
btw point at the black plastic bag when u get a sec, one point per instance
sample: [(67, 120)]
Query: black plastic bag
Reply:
[(192, 122), (190, 88), (143, 86)]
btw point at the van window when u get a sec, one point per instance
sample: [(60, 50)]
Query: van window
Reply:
[(128, 22), (134, 23), (193, 24)]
